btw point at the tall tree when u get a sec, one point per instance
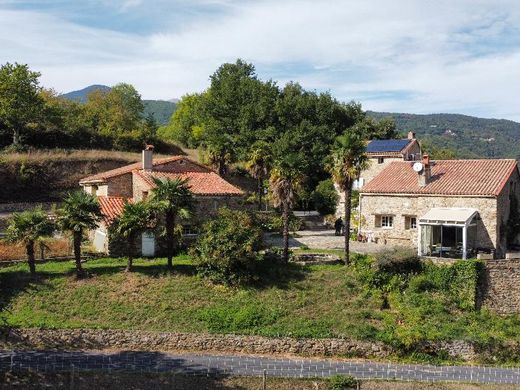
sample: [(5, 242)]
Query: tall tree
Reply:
[(28, 227), (258, 165), (20, 100), (236, 106), (80, 212), (348, 159), (135, 219), (285, 178), (174, 199)]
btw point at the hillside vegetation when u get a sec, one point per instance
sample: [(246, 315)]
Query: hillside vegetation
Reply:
[(47, 175), (404, 311), (468, 136)]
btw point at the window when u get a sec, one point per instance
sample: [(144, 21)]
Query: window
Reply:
[(387, 221), (380, 160), (144, 195), (410, 222)]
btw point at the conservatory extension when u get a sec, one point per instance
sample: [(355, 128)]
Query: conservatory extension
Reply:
[(448, 232)]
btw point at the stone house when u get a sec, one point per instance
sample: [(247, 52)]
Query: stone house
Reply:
[(134, 182), (382, 153), (450, 208)]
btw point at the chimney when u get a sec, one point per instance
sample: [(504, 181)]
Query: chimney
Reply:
[(426, 173), (148, 158), (411, 135)]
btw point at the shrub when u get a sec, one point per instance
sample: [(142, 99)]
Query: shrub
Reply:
[(227, 249), (325, 197), (398, 260), (271, 222), (341, 382)]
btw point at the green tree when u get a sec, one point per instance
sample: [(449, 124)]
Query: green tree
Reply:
[(237, 109), (80, 212), (20, 101), (135, 219), (348, 159), (28, 227), (258, 165), (175, 199), (325, 197), (186, 124), (285, 179)]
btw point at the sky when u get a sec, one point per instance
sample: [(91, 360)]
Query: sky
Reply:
[(415, 56)]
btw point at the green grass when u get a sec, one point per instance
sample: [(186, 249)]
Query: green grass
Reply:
[(291, 300), (320, 301)]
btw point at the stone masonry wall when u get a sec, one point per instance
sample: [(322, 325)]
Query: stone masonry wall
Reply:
[(96, 339), (400, 206), (500, 286)]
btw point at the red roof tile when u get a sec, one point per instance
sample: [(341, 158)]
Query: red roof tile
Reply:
[(201, 183), (112, 206), (448, 177), (102, 176)]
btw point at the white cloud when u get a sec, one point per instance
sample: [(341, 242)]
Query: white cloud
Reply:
[(415, 56)]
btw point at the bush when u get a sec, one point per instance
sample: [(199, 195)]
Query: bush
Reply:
[(271, 222), (341, 382), (227, 250), (398, 260), (325, 197)]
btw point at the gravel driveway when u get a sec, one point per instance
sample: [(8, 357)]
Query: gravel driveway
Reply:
[(322, 239)]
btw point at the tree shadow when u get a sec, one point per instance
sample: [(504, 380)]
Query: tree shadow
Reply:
[(153, 270), (125, 369), (274, 273)]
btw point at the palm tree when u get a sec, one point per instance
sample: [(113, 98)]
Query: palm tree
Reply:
[(80, 212), (348, 159), (175, 199), (28, 227), (258, 166), (135, 219), (286, 177)]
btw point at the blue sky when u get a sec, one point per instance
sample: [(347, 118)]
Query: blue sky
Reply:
[(418, 56)]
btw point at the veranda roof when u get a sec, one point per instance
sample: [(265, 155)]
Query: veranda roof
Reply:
[(448, 216)]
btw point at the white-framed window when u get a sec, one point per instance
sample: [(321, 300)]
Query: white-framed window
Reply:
[(387, 221), (380, 160), (410, 222)]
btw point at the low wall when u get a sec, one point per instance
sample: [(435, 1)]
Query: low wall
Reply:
[(95, 339), (500, 286)]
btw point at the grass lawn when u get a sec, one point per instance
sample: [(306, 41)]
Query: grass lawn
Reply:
[(319, 301), (292, 300)]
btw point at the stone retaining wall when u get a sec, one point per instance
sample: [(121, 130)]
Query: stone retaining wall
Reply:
[(500, 286), (94, 339)]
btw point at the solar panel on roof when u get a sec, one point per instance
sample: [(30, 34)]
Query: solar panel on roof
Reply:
[(387, 145)]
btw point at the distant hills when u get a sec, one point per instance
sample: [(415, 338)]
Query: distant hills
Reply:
[(161, 110), (468, 136)]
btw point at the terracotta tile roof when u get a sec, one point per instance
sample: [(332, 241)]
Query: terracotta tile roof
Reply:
[(102, 176), (112, 206), (201, 183), (448, 177)]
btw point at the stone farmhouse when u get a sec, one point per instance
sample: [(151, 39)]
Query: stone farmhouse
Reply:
[(382, 153), (134, 182), (450, 208)]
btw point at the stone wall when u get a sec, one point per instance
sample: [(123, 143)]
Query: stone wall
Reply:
[(500, 286), (400, 206), (96, 339)]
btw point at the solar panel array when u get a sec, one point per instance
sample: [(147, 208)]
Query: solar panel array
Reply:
[(387, 145)]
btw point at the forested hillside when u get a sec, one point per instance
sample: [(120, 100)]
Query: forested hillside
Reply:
[(468, 136)]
